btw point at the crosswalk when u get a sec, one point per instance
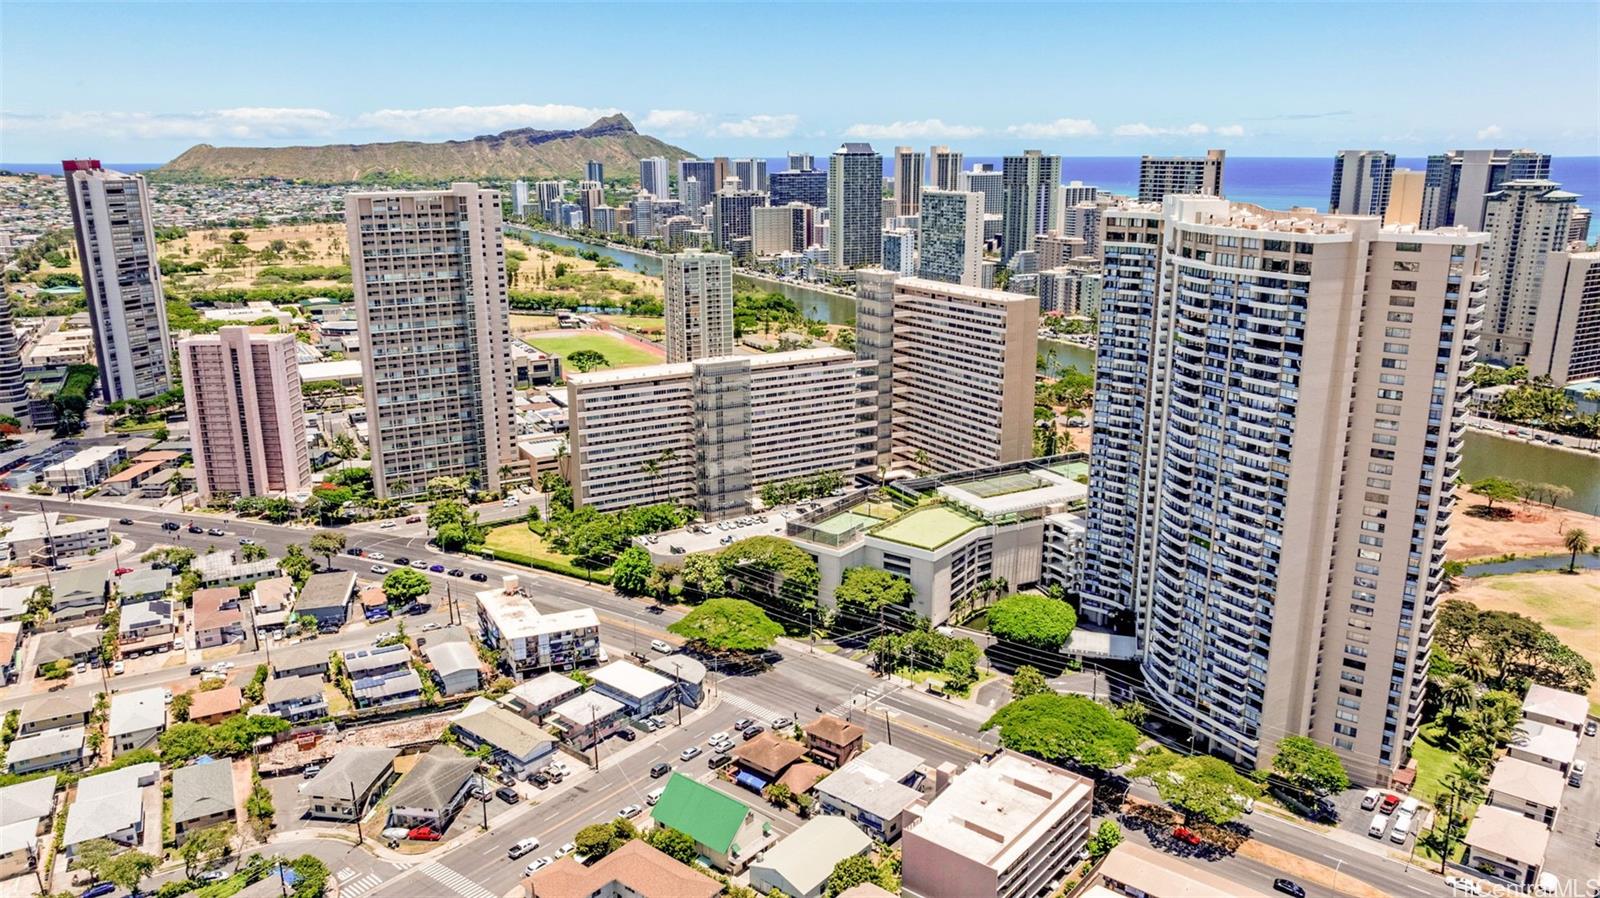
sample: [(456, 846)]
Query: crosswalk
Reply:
[(761, 714), (764, 715), (456, 882), (352, 883)]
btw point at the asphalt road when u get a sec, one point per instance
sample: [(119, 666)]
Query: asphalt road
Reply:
[(801, 682)]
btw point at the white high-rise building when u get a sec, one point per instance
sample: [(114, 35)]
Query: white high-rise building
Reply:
[(698, 290), (1361, 180), (944, 168), (115, 229), (1268, 517), (802, 162), (247, 418), (1031, 181), (907, 180), (1456, 182), (1160, 176), (430, 281), (951, 241), (983, 178), (752, 173), (13, 385), (1526, 221), (855, 206), (1566, 339), (519, 197), (654, 179), (900, 250)]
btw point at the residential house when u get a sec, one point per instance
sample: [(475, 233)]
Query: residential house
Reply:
[(377, 662), (456, 666), (642, 692), (687, 674), (10, 650), (307, 659), (633, 871), (1532, 790), (79, 596), (799, 866), (535, 698), (587, 718), (326, 597), (213, 706), (296, 699), (14, 602), (135, 475), (47, 750), (146, 584), (1507, 843), (136, 719), (531, 642), (726, 832), (352, 783), (1554, 707), (1133, 869), (216, 617), (374, 604), (140, 621), (1543, 743), (25, 810), (220, 569), (387, 690), (764, 760), (54, 712), (434, 791), (833, 741), (73, 646), (875, 790), (1006, 826), (202, 796), (517, 744), (110, 806), (272, 603)]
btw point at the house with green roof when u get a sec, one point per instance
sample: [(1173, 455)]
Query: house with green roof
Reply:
[(727, 832)]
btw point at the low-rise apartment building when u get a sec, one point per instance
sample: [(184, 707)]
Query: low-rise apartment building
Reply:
[(49, 538), (530, 641)]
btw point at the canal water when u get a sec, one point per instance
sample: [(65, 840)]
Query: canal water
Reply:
[(1483, 455)]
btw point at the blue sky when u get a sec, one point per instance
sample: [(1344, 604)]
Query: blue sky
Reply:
[(141, 82)]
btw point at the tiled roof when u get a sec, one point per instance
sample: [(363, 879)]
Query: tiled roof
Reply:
[(835, 730), (642, 870)]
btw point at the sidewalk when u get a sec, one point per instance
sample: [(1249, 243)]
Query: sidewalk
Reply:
[(966, 707)]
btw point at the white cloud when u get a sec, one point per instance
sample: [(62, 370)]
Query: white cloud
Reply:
[(1140, 129), (1490, 133), (463, 120), (924, 129), (238, 123), (769, 126), (1061, 127), (1231, 131), (675, 122)]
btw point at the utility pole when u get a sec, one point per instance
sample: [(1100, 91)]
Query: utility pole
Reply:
[(677, 689), (888, 726), (356, 809), (484, 803), (594, 732)]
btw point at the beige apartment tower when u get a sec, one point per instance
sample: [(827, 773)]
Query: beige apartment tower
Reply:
[(908, 165), (1405, 197), (964, 362), (698, 289), (1163, 175), (1526, 221), (1566, 340), (714, 431), (430, 281), (246, 415)]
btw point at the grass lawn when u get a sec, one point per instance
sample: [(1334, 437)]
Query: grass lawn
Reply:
[(927, 528), (648, 325), (618, 352), (1568, 605), (1433, 762), (518, 538)]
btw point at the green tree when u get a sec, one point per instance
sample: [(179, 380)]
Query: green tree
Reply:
[(58, 669), (702, 577), (1105, 838), (128, 869), (596, 840), (296, 564), (252, 552), (630, 573), (404, 585), (1028, 681), (1496, 489), (1309, 767), (585, 360), (849, 873), (728, 625), (184, 742), (673, 843), (93, 854), (864, 591), (1576, 540), (1032, 620), (201, 848), (1199, 786), (1065, 728), (327, 543), (180, 706)]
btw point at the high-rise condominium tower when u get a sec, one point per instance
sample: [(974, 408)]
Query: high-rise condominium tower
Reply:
[(733, 213), (875, 346), (1268, 502), (1526, 221), (809, 187), (13, 386), (1456, 182), (752, 173), (115, 229), (653, 177), (855, 206), (698, 289), (1360, 182), (907, 181), (246, 415), (985, 180), (944, 168), (1405, 198), (963, 375), (430, 280), (519, 197), (1162, 175), (1566, 339), (1031, 181), (951, 239), (802, 162), (594, 171)]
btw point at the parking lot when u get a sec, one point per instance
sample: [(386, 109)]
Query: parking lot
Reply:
[(1573, 839), (710, 537)]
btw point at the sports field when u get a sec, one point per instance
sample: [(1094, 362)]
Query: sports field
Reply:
[(619, 353)]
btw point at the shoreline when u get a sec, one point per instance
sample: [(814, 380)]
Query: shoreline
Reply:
[(1497, 429)]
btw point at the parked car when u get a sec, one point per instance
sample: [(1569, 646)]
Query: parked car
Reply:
[(1590, 728), (742, 724), (752, 732), (414, 519), (566, 849), (116, 667), (1370, 800), (98, 889), (1387, 806), (436, 568), (456, 572), (1575, 776), (658, 645), (539, 779), (423, 834), (311, 770), (660, 770), (523, 847), (718, 761), (627, 735), (507, 795), (195, 670), (1186, 835), (537, 864), (213, 876), (1288, 887), (478, 577)]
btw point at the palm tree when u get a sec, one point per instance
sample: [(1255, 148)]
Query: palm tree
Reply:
[(1576, 540), (1475, 664), (1455, 692)]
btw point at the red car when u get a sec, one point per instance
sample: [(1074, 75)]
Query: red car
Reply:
[(123, 570), (1184, 834), (1388, 804), (424, 834)]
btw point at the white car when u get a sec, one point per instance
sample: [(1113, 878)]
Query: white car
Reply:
[(523, 847), (178, 643), (375, 556), (689, 753), (537, 864), (166, 696), (566, 849), (419, 564), (657, 645), (117, 667), (719, 739), (631, 810), (387, 525), (379, 569)]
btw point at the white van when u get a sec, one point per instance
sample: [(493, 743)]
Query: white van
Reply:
[(1402, 828), (655, 795), (1380, 822), (1579, 768)]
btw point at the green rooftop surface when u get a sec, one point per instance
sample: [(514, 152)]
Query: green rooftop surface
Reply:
[(708, 816), (1072, 469), (927, 528), (844, 521), (1002, 484)]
